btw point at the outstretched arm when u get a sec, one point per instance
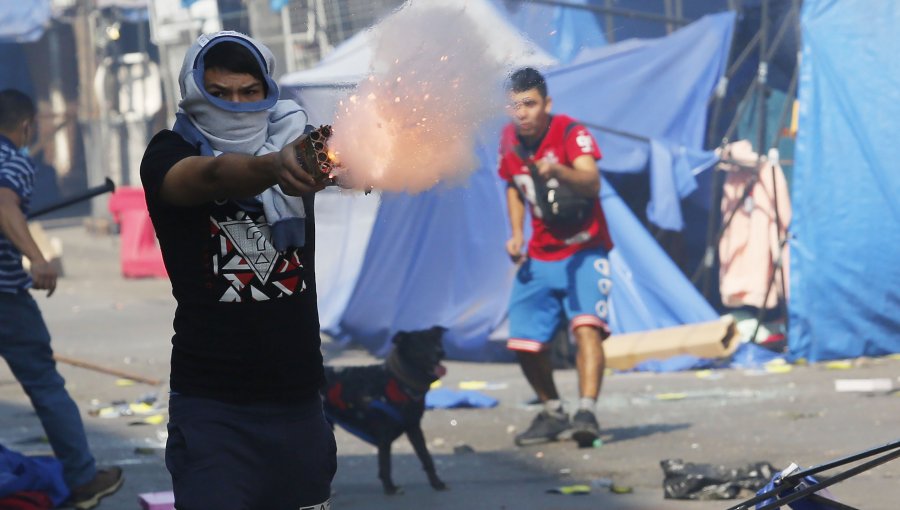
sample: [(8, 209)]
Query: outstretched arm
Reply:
[(15, 227), (199, 179)]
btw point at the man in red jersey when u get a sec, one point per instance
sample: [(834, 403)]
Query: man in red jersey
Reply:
[(565, 271)]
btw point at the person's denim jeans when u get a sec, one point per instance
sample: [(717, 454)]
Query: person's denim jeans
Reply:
[(25, 345)]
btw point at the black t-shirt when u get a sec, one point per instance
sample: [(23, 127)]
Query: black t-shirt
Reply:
[(247, 323)]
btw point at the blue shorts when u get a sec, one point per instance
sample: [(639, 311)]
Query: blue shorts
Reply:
[(544, 292)]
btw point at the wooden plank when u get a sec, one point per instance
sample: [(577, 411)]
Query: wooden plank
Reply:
[(106, 370), (714, 339)]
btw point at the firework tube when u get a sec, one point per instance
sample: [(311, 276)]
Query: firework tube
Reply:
[(312, 154)]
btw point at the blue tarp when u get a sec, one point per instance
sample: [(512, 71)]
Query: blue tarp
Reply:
[(561, 31), (437, 258), (23, 21), (658, 89), (845, 244), (20, 473), (14, 68)]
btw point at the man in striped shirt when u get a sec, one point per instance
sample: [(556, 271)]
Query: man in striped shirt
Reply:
[(24, 339)]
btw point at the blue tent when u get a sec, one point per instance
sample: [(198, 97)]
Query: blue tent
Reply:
[(562, 31), (845, 243), (23, 21), (438, 257)]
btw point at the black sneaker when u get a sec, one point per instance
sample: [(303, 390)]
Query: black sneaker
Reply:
[(585, 429), (106, 482), (545, 427)]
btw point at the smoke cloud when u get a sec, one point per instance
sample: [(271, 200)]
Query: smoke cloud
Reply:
[(412, 122)]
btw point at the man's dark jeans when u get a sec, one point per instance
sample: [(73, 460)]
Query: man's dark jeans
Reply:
[(25, 345)]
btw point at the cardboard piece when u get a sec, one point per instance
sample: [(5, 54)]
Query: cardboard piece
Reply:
[(51, 248), (714, 339), (157, 500)]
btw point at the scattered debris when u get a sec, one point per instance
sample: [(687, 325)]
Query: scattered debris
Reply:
[(778, 367), (687, 480), (838, 365), (147, 450), (571, 490), (145, 405), (671, 396), (481, 385), (608, 484), (155, 419), (157, 500), (445, 398), (601, 483), (463, 449), (880, 385), (621, 489)]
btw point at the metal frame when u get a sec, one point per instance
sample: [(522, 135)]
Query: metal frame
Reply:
[(759, 87), (793, 480)]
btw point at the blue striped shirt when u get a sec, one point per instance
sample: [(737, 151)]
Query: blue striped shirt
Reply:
[(16, 173)]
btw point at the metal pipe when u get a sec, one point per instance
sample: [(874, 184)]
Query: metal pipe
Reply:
[(799, 475), (762, 77), (626, 13), (618, 132), (107, 186), (610, 23)]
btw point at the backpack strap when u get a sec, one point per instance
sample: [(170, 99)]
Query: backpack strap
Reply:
[(540, 187)]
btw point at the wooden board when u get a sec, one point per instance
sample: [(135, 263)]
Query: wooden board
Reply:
[(714, 339)]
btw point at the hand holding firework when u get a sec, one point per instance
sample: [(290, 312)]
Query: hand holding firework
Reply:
[(314, 156)]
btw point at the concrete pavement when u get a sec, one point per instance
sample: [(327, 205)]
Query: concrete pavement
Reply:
[(730, 417)]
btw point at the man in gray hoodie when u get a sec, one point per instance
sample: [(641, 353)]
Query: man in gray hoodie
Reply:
[(233, 211)]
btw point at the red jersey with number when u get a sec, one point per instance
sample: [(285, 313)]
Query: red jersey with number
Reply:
[(561, 145)]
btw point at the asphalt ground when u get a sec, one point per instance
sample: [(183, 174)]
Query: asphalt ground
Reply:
[(724, 417)]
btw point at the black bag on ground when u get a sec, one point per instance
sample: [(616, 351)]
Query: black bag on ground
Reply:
[(686, 480)]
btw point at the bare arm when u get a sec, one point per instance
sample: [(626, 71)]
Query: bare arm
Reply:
[(516, 208), (199, 179), (582, 176), (14, 226)]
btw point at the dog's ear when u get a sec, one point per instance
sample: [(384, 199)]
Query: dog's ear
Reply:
[(400, 337)]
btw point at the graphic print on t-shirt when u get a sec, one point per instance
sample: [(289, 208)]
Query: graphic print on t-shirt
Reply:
[(249, 263), (526, 186)]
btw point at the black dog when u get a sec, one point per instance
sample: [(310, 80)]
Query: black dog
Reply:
[(378, 403)]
